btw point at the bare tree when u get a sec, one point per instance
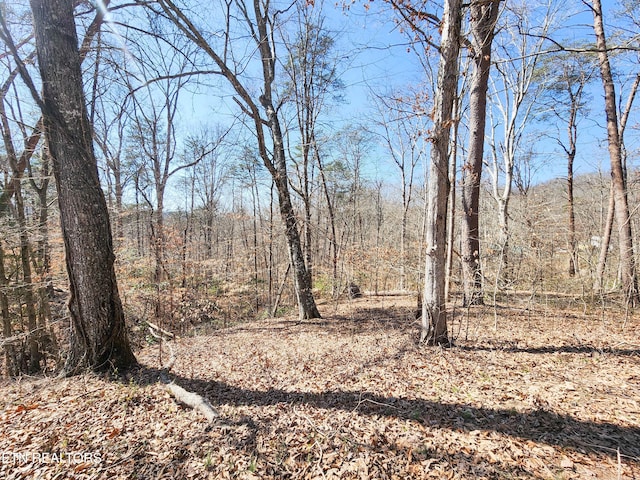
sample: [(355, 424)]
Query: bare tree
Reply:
[(401, 119), (615, 130), (331, 214), (421, 21), (209, 177), (513, 96), (569, 73), (312, 81), (34, 353), (154, 124), (434, 313), (260, 22)]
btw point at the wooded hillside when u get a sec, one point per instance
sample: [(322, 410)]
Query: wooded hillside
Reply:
[(303, 240)]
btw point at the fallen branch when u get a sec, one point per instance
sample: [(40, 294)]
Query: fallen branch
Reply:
[(193, 400), (185, 397), (16, 339), (161, 330)]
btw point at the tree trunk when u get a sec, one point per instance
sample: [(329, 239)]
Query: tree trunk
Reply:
[(306, 302), (11, 360), (333, 240), (503, 235), (98, 332), (483, 21), (451, 206), (158, 237), (33, 337), (605, 241), (278, 168), (260, 28), (434, 314), (17, 167), (627, 265), (573, 250)]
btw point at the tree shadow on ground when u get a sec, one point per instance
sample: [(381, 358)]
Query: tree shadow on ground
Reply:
[(540, 426), (577, 349), (361, 320)]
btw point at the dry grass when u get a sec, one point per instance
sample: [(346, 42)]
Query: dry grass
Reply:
[(550, 394)]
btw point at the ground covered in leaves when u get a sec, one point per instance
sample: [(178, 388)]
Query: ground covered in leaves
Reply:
[(528, 391)]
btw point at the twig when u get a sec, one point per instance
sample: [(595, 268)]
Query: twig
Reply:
[(602, 447), (161, 330), (619, 464)]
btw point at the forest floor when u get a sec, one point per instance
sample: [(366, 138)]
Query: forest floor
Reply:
[(528, 391)]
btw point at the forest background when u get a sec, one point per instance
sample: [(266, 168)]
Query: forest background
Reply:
[(252, 200)]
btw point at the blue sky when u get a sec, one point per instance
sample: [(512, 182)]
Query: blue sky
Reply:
[(375, 57)]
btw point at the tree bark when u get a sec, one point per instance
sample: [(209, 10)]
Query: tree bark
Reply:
[(98, 333), (11, 360), (627, 264), (35, 355), (306, 302), (483, 21), (573, 249), (434, 314)]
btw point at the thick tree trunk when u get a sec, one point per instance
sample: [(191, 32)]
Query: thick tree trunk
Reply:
[(627, 264), (483, 20), (98, 333), (451, 206), (434, 314)]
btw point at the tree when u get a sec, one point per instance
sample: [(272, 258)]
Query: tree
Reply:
[(35, 354), (260, 22), (208, 178), (618, 180), (513, 93), (312, 79), (99, 337), (570, 74), (110, 121), (434, 329), (402, 133), (483, 23), (331, 214), (154, 140)]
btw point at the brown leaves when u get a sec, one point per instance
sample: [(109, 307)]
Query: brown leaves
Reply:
[(23, 408), (352, 397)]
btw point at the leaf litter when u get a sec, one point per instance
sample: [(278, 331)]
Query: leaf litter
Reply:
[(545, 395)]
